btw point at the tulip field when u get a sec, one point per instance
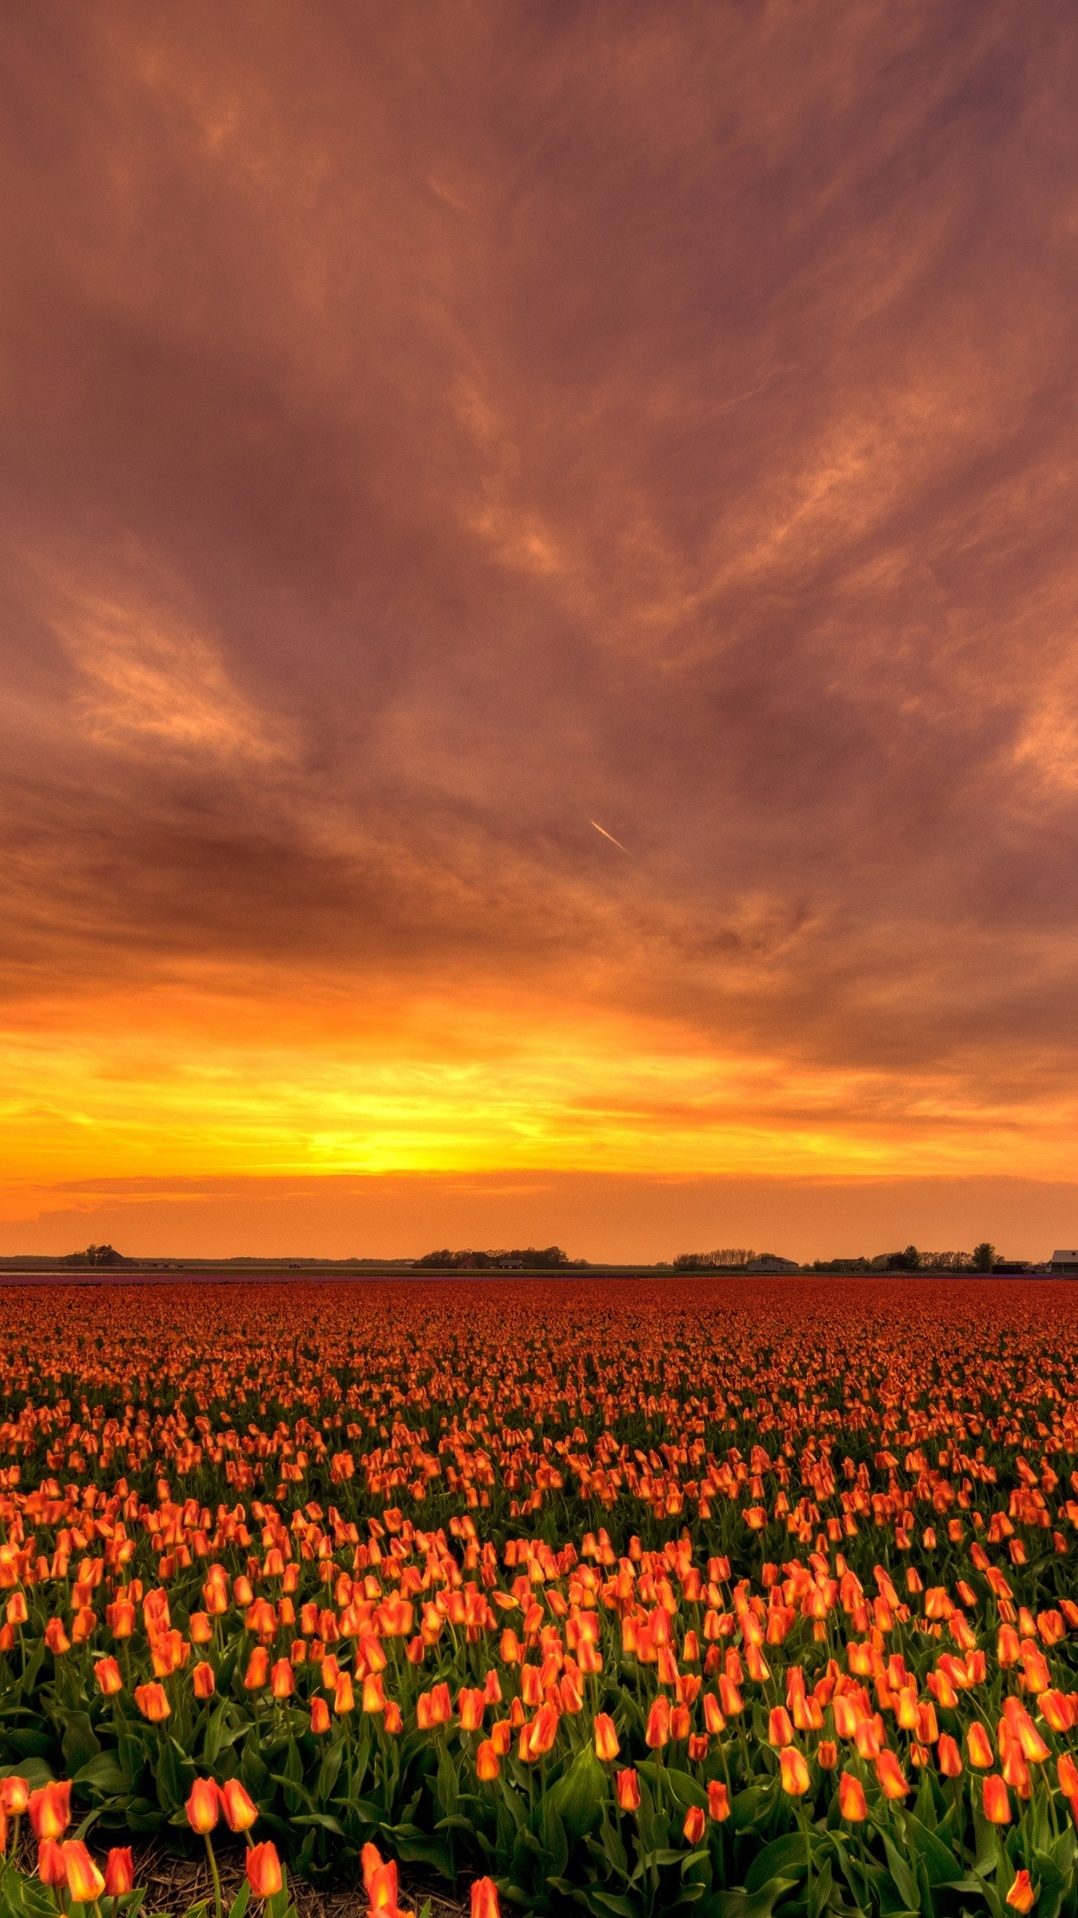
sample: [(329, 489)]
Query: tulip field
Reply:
[(625, 1598)]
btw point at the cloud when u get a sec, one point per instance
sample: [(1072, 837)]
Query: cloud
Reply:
[(418, 443)]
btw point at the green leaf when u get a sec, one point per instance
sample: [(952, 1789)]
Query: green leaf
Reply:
[(103, 1774), (738, 1904), (80, 1742), (785, 1856), (580, 1793), (905, 1879), (940, 1863), (239, 1902)]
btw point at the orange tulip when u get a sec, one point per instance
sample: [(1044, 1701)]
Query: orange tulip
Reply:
[(84, 1881), (657, 1730), (264, 1869), (851, 1798), (344, 1698), (485, 1899), (257, 1673), (1066, 1769), (320, 1719), (14, 1795), (979, 1747), (374, 1697), (695, 1824), (627, 1787), (1022, 1896), (607, 1743), (50, 1862), (392, 1720), (487, 1763), (239, 1808), (109, 1677), (889, 1772), (152, 1701), (950, 1758), (203, 1807), (119, 1871), (203, 1682), (50, 1810), (827, 1754), (794, 1772), (997, 1804), (471, 1706), (718, 1801), (780, 1730), (282, 1682)]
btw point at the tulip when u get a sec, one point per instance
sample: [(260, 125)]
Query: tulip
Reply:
[(320, 1720), (699, 1746), (997, 1804), (119, 1871), (152, 1701), (374, 1697), (264, 1870), (657, 1730), (203, 1807), (889, 1772), (627, 1787), (1022, 1896), (109, 1676), (50, 1810), (693, 1828), (607, 1743), (392, 1720), (485, 1899), (827, 1754), (344, 1698), (780, 1730), (979, 1748), (371, 1861), (200, 1628), (56, 1638), (487, 1763), (239, 1808), (713, 1717), (50, 1862), (471, 1706), (203, 1682), (14, 1795), (84, 1881), (17, 1610), (718, 1801), (1065, 1767), (950, 1758), (851, 1798), (257, 1673), (794, 1772)]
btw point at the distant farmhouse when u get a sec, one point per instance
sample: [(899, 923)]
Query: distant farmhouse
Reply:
[(770, 1262), (1064, 1262)]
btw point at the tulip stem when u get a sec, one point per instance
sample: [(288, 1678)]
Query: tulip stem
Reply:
[(215, 1875)]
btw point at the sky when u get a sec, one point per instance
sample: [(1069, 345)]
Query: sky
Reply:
[(538, 596)]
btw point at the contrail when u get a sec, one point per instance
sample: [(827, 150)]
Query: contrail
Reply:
[(610, 836)]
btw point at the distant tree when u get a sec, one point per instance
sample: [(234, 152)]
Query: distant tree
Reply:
[(725, 1258), (984, 1256), (907, 1261), (547, 1258), (946, 1261)]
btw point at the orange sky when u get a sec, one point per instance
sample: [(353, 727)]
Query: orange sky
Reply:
[(429, 431)]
